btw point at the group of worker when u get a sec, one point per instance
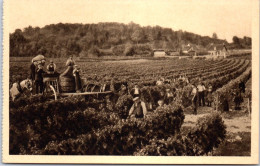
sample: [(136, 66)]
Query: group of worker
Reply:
[(200, 94), (73, 70), (38, 72), (139, 109)]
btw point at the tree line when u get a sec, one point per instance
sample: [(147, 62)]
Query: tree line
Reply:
[(116, 39)]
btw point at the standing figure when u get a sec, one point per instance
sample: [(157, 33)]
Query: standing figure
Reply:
[(168, 97), (194, 99), (39, 79), (242, 87), (69, 71), (70, 61), (209, 95), (33, 70), (138, 109), (201, 89), (238, 100), (123, 90), (160, 81), (32, 74), (51, 67), (76, 74)]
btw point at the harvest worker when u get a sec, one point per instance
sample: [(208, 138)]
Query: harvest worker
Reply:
[(209, 95), (160, 81), (238, 100), (194, 99), (33, 70), (69, 71), (76, 75), (242, 87), (168, 97), (201, 89), (138, 109), (123, 90), (51, 67), (39, 79), (135, 91)]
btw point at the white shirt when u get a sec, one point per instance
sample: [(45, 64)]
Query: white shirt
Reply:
[(194, 91), (136, 92), (159, 83), (201, 88)]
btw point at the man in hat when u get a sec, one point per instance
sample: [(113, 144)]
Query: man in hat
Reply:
[(138, 109), (51, 67)]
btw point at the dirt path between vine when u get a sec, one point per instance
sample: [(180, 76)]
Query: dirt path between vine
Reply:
[(238, 123)]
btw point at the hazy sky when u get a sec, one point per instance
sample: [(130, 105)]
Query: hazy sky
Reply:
[(225, 17)]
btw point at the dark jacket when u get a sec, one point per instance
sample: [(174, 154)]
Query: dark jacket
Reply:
[(39, 75), (32, 68)]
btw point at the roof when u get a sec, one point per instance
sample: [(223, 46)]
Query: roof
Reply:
[(192, 47), (158, 50), (187, 48), (213, 47)]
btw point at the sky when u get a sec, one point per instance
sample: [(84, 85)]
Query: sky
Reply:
[(227, 18)]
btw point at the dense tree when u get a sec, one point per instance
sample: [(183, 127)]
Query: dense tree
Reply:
[(138, 35), (63, 40), (215, 36), (245, 42), (235, 40)]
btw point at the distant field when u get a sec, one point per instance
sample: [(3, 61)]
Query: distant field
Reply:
[(232, 53)]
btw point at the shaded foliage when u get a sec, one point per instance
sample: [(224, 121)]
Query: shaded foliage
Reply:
[(62, 40)]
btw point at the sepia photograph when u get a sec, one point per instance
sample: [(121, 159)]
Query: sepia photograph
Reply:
[(131, 82)]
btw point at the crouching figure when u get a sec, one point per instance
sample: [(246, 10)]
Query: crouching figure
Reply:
[(18, 88)]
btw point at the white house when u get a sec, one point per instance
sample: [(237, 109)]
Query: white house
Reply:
[(217, 50), (159, 53), (190, 50)]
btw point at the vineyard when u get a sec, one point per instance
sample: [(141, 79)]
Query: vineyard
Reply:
[(100, 126)]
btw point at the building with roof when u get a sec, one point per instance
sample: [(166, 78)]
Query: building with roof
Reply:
[(159, 53), (189, 49), (217, 50)]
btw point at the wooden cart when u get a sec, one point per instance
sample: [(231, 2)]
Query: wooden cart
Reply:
[(51, 84)]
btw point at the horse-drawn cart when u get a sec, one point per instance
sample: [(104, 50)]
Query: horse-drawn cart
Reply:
[(54, 85)]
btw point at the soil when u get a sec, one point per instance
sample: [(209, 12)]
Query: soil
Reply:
[(238, 123)]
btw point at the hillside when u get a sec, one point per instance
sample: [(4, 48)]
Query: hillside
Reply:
[(62, 40)]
